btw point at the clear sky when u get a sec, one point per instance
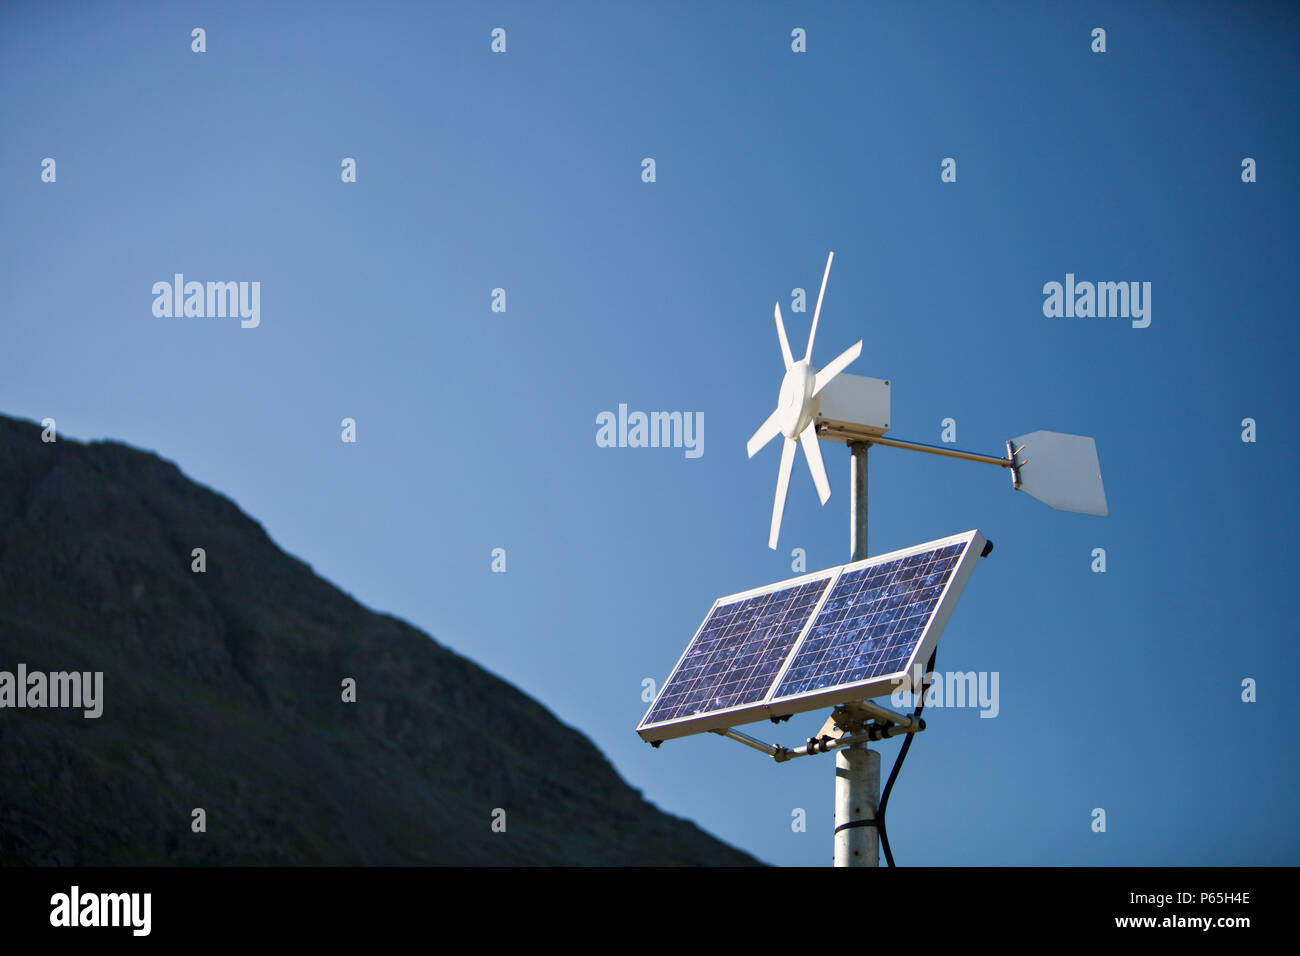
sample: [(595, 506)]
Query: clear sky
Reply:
[(476, 429)]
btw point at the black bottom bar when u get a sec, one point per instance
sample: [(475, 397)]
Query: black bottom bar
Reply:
[(332, 906)]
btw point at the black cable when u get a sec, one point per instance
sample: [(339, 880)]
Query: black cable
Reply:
[(898, 763)]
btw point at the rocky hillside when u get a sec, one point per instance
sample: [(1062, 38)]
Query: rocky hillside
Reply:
[(222, 692)]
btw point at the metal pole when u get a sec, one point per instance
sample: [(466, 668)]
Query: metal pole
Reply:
[(857, 786), (858, 504), (857, 769)]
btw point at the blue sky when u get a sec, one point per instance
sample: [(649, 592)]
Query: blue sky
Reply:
[(476, 429)]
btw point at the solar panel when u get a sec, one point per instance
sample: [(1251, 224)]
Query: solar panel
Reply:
[(730, 665), (872, 625), (847, 633)]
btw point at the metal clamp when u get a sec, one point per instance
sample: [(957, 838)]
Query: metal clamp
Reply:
[(857, 823), (1016, 464)]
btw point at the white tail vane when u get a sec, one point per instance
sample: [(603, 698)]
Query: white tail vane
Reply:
[(1061, 471), (796, 409)]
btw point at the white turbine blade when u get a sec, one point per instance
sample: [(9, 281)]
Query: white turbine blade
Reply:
[(782, 484), (780, 331), (812, 333), (837, 366), (812, 451), (766, 432)]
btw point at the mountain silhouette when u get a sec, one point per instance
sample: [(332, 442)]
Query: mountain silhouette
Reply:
[(222, 691)]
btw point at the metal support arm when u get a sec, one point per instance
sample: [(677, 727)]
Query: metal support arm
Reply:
[(937, 450), (877, 730)]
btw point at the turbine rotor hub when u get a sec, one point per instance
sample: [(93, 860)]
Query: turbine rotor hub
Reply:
[(794, 404)]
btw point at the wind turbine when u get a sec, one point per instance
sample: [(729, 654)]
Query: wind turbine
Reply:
[(1065, 473), (796, 410)]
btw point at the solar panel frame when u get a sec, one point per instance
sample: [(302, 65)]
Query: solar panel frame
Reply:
[(904, 676), (770, 705), (742, 713)]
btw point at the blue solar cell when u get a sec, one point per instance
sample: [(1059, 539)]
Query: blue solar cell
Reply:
[(737, 653), (871, 622)]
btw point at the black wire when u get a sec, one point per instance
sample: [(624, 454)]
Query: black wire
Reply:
[(898, 763)]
